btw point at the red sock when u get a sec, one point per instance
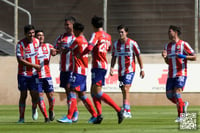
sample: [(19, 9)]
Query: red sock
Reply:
[(110, 102), (180, 105), (43, 107), (97, 103), (21, 110), (72, 106), (89, 106)]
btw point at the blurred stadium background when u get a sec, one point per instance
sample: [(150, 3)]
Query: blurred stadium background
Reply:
[(148, 22)]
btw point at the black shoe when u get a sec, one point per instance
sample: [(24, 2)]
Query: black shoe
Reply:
[(120, 116), (98, 120), (51, 115), (46, 120)]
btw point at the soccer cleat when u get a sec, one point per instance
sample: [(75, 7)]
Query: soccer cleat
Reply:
[(51, 115), (46, 120), (185, 107), (64, 120), (21, 120), (34, 114), (179, 119), (127, 114), (92, 119), (98, 119), (120, 116), (75, 117)]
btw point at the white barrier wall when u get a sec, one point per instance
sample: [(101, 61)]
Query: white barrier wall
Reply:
[(154, 81)]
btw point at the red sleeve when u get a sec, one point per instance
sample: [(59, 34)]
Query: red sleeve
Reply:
[(87, 50)]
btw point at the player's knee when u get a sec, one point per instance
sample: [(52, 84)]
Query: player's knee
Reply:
[(98, 95), (83, 97), (177, 95), (72, 95), (169, 95)]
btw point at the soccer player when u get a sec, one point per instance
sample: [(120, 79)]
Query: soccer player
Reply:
[(78, 83), (176, 53), (26, 53), (66, 67), (45, 81), (126, 49), (99, 44)]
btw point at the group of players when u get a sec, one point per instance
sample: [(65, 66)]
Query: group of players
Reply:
[(33, 56)]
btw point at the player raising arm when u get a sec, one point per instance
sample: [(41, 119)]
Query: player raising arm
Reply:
[(176, 53)]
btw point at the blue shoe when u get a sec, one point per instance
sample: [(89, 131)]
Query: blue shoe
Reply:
[(64, 120), (34, 114), (21, 120), (75, 117), (92, 119)]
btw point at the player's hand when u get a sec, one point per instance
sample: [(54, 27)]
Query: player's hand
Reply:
[(37, 67), (142, 74), (111, 71), (53, 51), (164, 54)]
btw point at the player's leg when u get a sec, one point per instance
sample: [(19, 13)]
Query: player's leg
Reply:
[(126, 101), (98, 80), (41, 103), (22, 105), (33, 86), (179, 85), (22, 86), (51, 100), (88, 104), (49, 90), (125, 83), (65, 79), (170, 90), (71, 108)]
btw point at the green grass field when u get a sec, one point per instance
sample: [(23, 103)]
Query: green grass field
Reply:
[(146, 119)]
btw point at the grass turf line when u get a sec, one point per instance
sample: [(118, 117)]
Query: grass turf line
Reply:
[(146, 119)]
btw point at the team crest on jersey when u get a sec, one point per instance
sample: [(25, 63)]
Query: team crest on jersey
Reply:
[(45, 51)]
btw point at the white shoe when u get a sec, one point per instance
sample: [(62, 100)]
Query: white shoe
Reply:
[(179, 119), (185, 107), (34, 114), (127, 114)]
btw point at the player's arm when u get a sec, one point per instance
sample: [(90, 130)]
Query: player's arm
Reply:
[(164, 55), (139, 59), (87, 50), (26, 63), (53, 51), (113, 61), (191, 57)]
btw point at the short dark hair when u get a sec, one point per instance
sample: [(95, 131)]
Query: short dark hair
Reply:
[(121, 26), (97, 22), (38, 31), (176, 28), (28, 27), (71, 19), (78, 26)]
